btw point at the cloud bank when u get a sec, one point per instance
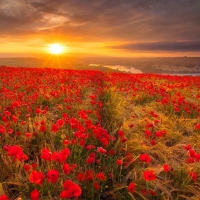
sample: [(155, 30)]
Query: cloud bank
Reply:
[(184, 46)]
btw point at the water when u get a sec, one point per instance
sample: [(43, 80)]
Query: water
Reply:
[(124, 69), (137, 71)]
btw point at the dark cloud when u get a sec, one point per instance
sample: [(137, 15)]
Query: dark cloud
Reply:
[(103, 20), (186, 46)]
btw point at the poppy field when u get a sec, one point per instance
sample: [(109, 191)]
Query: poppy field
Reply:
[(84, 134)]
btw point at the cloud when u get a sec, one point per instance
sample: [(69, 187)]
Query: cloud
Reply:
[(106, 20), (183, 46)]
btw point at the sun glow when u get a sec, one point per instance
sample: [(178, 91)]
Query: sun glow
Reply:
[(56, 48)]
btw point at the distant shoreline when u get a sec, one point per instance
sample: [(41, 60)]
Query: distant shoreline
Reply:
[(124, 68), (120, 68), (136, 71)]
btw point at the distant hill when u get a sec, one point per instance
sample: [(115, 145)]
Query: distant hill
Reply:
[(146, 65), (53, 62), (21, 62)]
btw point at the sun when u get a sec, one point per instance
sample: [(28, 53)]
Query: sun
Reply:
[(56, 48)]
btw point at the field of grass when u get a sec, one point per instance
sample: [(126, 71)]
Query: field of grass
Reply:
[(86, 134)]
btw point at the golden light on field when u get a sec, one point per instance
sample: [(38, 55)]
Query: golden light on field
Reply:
[(56, 48)]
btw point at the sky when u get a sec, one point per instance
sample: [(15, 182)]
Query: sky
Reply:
[(138, 28)]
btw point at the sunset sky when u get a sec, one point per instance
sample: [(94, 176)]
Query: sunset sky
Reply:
[(101, 27)]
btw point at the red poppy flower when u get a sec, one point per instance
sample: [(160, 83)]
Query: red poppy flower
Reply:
[(89, 176), (54, 128), (60, 122), (190, 160), (194, 176), (4, 118), (101, 150), (149, 175), (197, 127), (131, 125), (66, 168), (71, 190), (13, 150), (123, 139), (66, 194), (101, 176), (145, 158), (23, 122), (166, 167), (36, 177), (153, 142), (27, 167), (18, 133), (149, 125), (111, 152), (7, 113), (15, 104), (144, 192), (147, 133), (119, 162), (73, 167), (35, 195), (65, 152), (152, 192), (2, 129), (55, 156), (63, 155), (158, 133), (37, 110), (96, 185), (192, 153), (73, 122), (64, 115), (197, 157), (82, 143), (28, 135), (3, 197), (89, 147), (17, 153), (20, 156), (73, 141), (81, 177), (90, 160), (34, 165), (52, 176), (104, 141), (131, 187), (66, 142), (60, 156), (43, 128), (14, 118), (120, 133), (46, 154)]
